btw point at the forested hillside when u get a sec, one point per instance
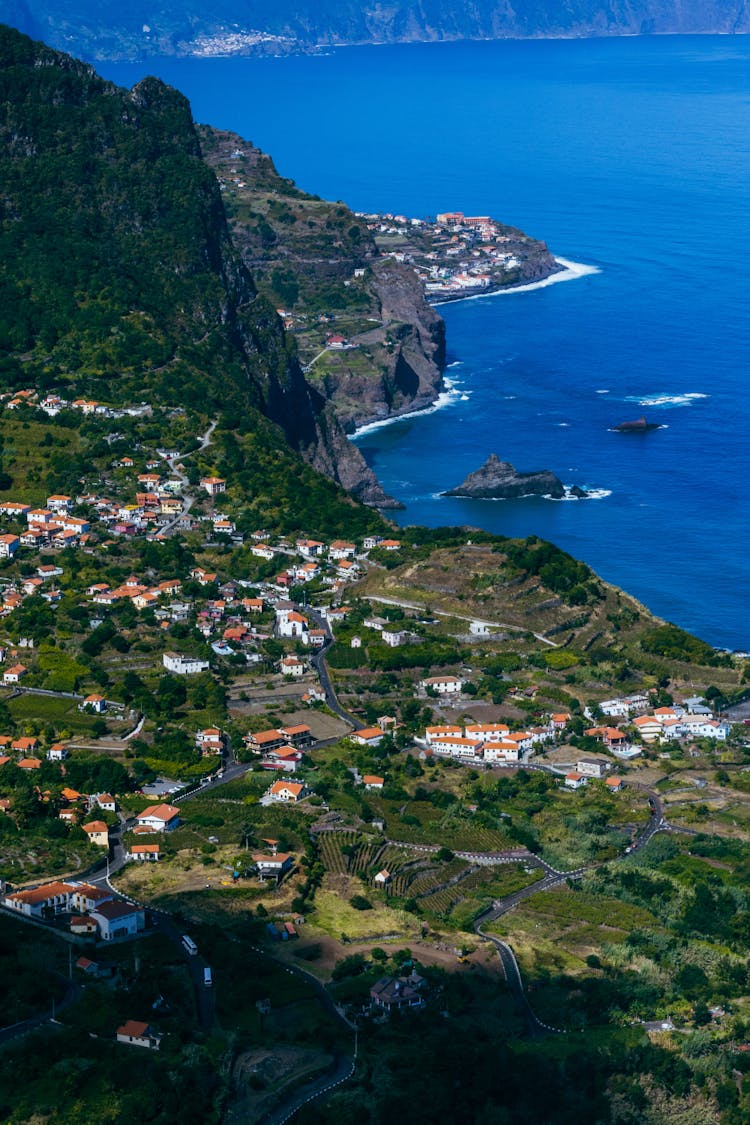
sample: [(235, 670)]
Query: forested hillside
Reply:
[(119, 278)]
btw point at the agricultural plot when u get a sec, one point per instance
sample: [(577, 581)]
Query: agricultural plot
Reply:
[(459, 904)]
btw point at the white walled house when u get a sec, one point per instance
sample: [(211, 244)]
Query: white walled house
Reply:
[(443, 685), (159, 818), (501, 751), (184, 665), (292, 666)]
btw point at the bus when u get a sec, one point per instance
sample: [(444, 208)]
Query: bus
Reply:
[(189, 944), (207, 977)]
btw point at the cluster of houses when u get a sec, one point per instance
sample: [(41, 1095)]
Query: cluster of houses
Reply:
[(85, 909), (335, 563), (692, 718), (53, 526), (280, 748), (52, 404), (454, 255), (490, 743)]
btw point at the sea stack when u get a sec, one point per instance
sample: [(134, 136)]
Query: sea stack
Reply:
[(639, 426), (499, 480)]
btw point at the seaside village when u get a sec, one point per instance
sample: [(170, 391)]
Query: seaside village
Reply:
[(239, 627), (455, 256)]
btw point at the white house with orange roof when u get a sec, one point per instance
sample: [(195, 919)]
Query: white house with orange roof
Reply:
[(288, 792), (443, 685), (341, 549), (210, 741), (310, 548), (292, 666), (159, 818), (14, 674), (368, 736), (574, 780), (503, 751), (292, 624), (214, 486), (9, 544), (96, 703)]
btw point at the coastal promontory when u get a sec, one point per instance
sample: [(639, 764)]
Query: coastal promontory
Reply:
[(499, 480)]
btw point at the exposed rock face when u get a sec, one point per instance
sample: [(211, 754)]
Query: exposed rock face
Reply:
[(410, 368), (498, 480)]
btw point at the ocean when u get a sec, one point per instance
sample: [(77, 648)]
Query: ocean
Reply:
[(629, 156)]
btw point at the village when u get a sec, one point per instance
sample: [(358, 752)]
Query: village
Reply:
[(241, 715), (458, 256)]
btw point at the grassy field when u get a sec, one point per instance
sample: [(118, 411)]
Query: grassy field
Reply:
[(334, 916)]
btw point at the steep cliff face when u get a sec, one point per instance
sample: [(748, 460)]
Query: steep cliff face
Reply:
[(140, 28), (318, 261), (119, 276)]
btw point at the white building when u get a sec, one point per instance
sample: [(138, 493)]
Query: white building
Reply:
[(443, 685), (159, 818), (184, 665)]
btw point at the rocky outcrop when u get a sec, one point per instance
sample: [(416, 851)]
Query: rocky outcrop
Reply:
[(499, 480), (637, 426), (406, 354)]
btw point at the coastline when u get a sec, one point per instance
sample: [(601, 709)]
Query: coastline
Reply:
[(571, 271), (446, 397), (450, 394)]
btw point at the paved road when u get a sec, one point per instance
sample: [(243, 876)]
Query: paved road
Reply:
[(23, 1027), (515, 983), (319, 663), (344, 1068), (174, 466)]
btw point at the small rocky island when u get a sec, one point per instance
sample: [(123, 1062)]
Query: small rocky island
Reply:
[(499, 480), (638, 426)]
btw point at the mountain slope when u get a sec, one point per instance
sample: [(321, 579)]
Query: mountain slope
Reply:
[(118, 275), (107, 30), (319, 262)]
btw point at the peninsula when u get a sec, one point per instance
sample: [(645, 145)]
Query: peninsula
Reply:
[(458, 256)]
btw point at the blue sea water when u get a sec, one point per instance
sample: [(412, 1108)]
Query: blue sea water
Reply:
[(630, 155)]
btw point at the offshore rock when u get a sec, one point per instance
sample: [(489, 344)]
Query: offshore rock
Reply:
[(499, 480)]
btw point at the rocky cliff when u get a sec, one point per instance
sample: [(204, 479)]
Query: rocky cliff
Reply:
[(318, 262)]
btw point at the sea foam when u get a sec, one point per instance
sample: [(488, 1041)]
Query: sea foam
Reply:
[(664, 399)]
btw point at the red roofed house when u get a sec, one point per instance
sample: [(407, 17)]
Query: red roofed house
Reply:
[(159, 818), (368, 736), (14, 674), (139, 1035), (97, 832), (291, 791), (95, 703)]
